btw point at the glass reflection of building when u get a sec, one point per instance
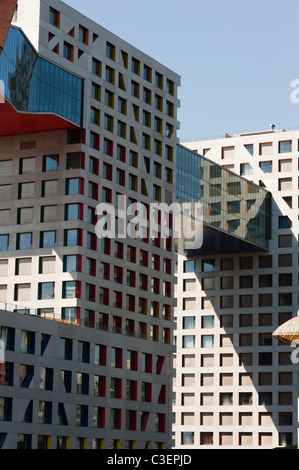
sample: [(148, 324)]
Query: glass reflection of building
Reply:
[(34, 84), (62, 153), (231, 203)]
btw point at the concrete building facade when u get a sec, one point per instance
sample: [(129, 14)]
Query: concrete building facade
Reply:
[(235, 385), (63, 387)]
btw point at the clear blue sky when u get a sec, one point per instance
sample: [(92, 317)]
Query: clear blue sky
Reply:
[(236, 58)]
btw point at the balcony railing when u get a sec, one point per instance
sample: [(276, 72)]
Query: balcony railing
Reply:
[(83, 322)]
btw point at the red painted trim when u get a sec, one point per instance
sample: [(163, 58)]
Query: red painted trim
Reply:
[(15, 123)]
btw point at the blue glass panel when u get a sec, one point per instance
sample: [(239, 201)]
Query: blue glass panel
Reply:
[(230, 203), (34, 84), (4, 242)]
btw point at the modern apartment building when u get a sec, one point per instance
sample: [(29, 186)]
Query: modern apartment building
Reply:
[(86, 118), (235, 384)]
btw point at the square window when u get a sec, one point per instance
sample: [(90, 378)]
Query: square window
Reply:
[(147, 73), (189, 341), (96, 91), (70, 289), (46, 290), (170, 87), (25, 190), (246, 169), (146, 141), (284, 222), (133, 182), (70, 263), (96, 67), (285, 165), (5, 167), (157, 192), (73, 212), (207, 322), (27, 165), (49, 188), (110, 73), (159, 80), (266, 167), (168, 130), (74, 160), (208, 265), (116, 357), (169, 109), (121, 129), (73, 186), (83, 34), (92, 190), (285, 279), (284, 184), (158, 102), (48, 239), (135, 66), (207, 341), (4, 242), (285, 299), (68, 51), (107, 171), (265, 280), (49, 213), (110, 51), (94, 165), (54, 17), (121, 153), (94, 140), (66, 348), (109, 98), (91, 241), (285, 260), (95, 115), (122, 105), (265, 148), (134, 89)]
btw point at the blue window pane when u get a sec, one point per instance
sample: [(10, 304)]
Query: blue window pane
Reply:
[(37, 76), (73, 186), (266, 167), (71, 237), (24, 241), (69, 313), (72, 211), (69, 289), (50, 162), (70, 263), (46, 290), (285, 146), (208, 265), (189, 266), (249, 148), (4, 239)]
